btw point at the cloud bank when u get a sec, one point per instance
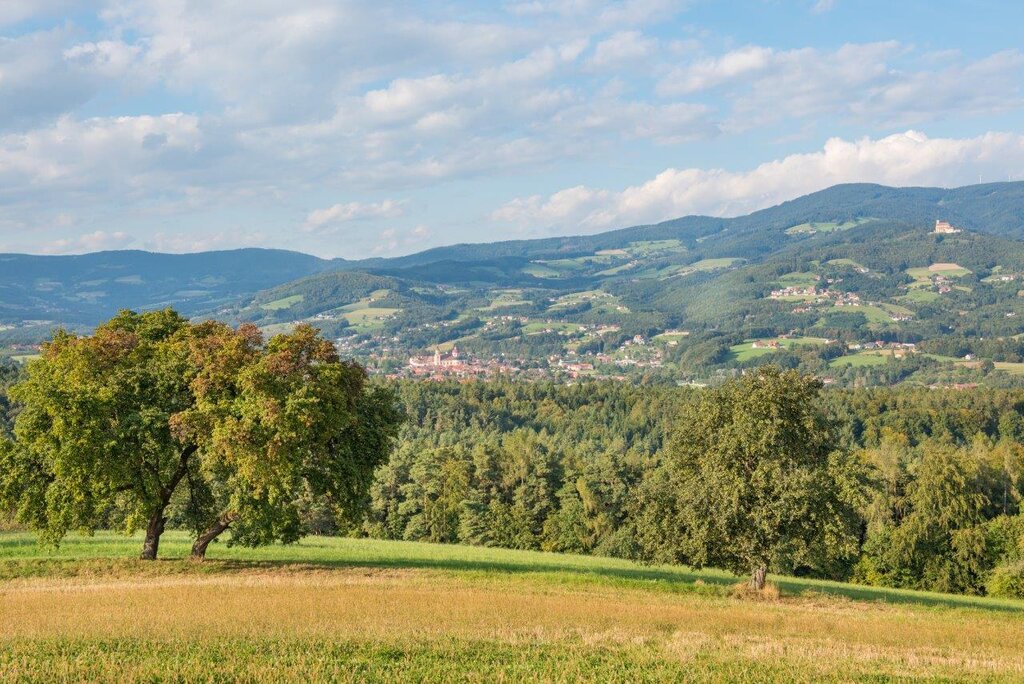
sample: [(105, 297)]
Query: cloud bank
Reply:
[(909, 158)]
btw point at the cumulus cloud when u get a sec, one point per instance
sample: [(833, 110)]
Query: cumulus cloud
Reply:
[(116, 155), (36, 83), (909, 158), (16, 11), (186, 242), (331, 217), (227, 113), (715, 71), (108, 58), (880, 83), (89, 242), (624, 46), (602, 13)]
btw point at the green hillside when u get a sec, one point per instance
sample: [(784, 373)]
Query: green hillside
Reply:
[(875, 281), (853, 265)]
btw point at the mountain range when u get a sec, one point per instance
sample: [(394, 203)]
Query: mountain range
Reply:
[(860, 264)]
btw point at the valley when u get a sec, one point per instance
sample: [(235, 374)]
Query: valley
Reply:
[(853, 284)]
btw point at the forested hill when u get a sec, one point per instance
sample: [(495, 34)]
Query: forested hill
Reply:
[(700, 273), (994, 208), (86, 289), (839, 283)]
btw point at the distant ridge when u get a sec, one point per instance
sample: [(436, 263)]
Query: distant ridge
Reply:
[(81, 290)]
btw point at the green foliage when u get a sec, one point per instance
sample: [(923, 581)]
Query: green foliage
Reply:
[(153, 417), (582, 468), (9, 373), (759, 478), (1007, 580), (95, 433)]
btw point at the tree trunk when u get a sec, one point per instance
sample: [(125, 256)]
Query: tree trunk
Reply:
[(214, 531), (157, 521), (153, 531), (758, 577)]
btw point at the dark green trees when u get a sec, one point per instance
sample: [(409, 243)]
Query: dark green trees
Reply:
[(754, 478), (153, 414)]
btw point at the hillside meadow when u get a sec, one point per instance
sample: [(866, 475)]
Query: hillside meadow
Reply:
[(357, 610)]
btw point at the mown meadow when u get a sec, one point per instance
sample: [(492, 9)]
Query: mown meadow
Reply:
[(357, 609)]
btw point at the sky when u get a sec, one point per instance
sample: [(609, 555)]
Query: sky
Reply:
[(358, 129)]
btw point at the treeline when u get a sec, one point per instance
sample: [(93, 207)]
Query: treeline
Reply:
[(932, 480), (563, 468)]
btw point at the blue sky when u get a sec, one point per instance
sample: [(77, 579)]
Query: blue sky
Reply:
[(376, 129)]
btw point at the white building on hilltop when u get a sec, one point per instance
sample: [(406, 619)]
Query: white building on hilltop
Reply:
[(945, 228)]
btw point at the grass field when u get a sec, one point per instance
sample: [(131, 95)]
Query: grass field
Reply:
[(1010, 367), (357, 610), (920, 296), (860, 359), (282, 303), (825, 227), (505, 298), (534, 327), (677, 270), (798, 279), (949, 270), (746, 350), (845, 262)]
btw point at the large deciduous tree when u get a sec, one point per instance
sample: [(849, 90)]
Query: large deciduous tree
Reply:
[(152, 414), (754, 478)]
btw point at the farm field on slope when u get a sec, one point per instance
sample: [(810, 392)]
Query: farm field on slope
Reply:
[(346, 609)]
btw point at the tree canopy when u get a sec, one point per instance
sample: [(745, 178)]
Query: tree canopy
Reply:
[(755, 478), (153, 415)]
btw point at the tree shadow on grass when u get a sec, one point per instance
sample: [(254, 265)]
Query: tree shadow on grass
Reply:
[(672, 580), (676, 580)]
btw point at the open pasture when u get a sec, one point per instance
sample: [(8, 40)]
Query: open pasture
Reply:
[(357, 610)]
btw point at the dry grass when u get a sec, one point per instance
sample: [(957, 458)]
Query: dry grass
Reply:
[(51, 624), (357, 610)]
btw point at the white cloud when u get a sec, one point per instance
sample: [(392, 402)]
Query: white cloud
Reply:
[(664, 123), (180, 243), (909, 158), (624, 46), (880, 83), (602, 13), (321, 220), (822, 6), (89, 242), (712, 72), (118, 156), (36, 84), (15, 11), (288, 100), (109, 58)]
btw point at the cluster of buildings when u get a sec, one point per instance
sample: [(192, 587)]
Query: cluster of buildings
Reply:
[(945, 228), (810, 291), (899, 349), (845, 298), (452, 364), (944, 284)]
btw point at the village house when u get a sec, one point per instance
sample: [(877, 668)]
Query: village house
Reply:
[(437, 361), (795, 292)]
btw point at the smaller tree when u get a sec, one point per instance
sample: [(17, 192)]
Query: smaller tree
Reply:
[(754, 478), (282, 423)]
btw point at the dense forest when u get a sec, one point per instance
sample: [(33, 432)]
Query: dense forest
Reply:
[(563, 468), (570, 467)]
